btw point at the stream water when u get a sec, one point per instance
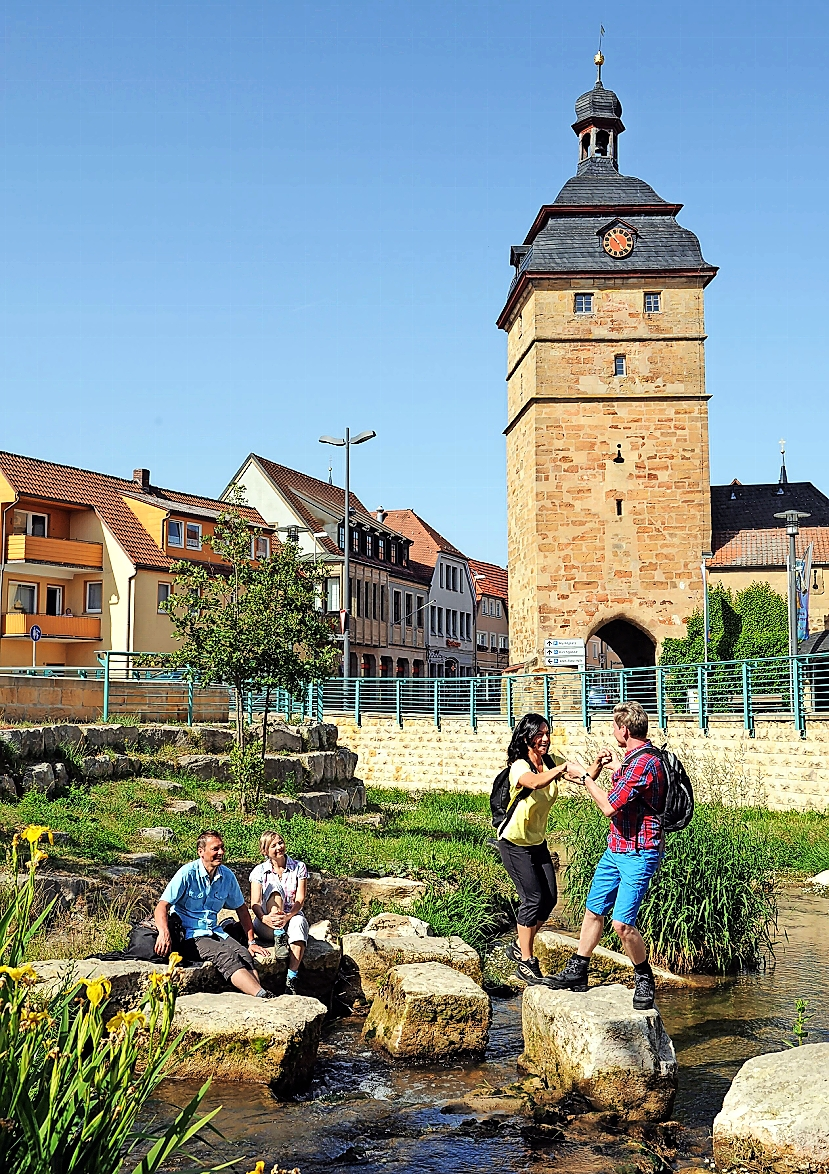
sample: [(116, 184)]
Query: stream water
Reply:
[(363, 1113)]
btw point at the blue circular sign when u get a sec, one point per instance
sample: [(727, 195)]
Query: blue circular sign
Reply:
[(35, 633)]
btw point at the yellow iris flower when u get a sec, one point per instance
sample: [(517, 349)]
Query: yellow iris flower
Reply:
[(159, 978), (36, 832), (126, 1019), (24, 973), (97, 989), (174, 960), (38, 857), (30, 1018), (259, 1168)]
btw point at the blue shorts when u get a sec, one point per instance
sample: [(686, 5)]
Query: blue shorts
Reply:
[(620, 882)]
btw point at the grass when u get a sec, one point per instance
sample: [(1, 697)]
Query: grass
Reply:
[(712, 906)]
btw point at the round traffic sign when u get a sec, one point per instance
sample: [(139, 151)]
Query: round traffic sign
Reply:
[(35, 633)]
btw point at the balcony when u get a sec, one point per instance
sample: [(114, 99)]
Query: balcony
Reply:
[(18, 623), (25, 548)]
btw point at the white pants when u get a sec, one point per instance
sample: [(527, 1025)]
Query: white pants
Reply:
[(296, 930)]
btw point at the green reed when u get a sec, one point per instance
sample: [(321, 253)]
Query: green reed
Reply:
[(712, 907)]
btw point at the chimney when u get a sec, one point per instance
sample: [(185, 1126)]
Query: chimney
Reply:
[(141, 477), (381, 514)]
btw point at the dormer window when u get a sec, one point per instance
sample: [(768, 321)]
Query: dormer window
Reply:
[(381, 547), (355, 541), (341, 536), (370, 545)]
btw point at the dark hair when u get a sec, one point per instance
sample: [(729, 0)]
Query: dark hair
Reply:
[(523, 735), (201, 842)]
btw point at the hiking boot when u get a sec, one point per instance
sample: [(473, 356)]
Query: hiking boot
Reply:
[(529, 972), (513, 952), (290, 986), (263, 994), (572, 978), (644, 992)]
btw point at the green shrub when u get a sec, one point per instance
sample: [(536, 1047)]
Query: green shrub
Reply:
[(711, 907)]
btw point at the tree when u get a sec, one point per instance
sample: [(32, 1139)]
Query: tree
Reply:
[(249, 624), (746, 626)]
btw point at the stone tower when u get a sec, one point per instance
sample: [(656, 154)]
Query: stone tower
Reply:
[(609, 508)]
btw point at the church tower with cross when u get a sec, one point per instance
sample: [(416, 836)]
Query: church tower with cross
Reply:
[(609, 504)]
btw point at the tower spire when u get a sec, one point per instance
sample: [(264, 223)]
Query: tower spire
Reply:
[(598, 60), (782, 484)]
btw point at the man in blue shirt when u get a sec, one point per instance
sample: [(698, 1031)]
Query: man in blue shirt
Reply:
[(197, 893)]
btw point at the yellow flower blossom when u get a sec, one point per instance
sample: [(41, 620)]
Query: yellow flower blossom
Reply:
[(159, 978), (126, 1019), (97, 989), (259, 1168), (30, 1019), (36, 832), (174, 961), (38, 857), (24, 973)]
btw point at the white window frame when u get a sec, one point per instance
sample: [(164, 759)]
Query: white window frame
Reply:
[(653, 293), (497, 609), (188, 526), (159, 600), (255, 539), (503, 644), (175, 522), (93, 611), (493, 642), (620, 365), (433, 621), (61, 596), (14, 584), (483, 641), (29, 516), (586, 304)]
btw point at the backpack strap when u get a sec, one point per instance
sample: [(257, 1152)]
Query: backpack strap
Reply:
[(523, 793)]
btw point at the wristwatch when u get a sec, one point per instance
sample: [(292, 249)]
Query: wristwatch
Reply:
[(584, 778)]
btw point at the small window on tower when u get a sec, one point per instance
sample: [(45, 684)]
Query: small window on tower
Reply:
[(653, 303), (619, 365), (618, 507), (584, 303)]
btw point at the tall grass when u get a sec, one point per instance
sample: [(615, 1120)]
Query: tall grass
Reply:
[(712, 906)]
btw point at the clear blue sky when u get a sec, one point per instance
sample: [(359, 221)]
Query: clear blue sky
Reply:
[(234, 226)]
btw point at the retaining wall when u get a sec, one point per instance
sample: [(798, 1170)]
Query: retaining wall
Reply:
[(58, 699), (776, 767)]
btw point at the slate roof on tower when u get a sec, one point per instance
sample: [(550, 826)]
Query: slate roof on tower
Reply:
[(745, 532)]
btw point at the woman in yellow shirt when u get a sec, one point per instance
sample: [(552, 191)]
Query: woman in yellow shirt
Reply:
[(533, 777)]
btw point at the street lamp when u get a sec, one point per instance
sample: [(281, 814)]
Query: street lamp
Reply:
[(346, 443), (792, 518)]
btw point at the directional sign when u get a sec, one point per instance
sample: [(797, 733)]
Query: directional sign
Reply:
[(35, 633), (551, 645)]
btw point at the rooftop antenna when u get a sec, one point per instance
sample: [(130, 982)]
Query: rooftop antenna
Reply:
[(598, 60), (784, 480)]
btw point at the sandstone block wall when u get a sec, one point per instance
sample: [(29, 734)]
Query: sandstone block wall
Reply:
[(775, 768), (70, 699)]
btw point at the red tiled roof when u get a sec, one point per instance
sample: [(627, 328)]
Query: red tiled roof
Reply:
[(426, 542), (495, 581), (32, 477), (766, 548)]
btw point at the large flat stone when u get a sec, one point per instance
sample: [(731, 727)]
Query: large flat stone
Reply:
[(621, 1060), (428, 1011), (552, 949), (280, 769), (266, 1041), (204, 766), (775, 1116), (281, 737), (367, 960), (130, 980)]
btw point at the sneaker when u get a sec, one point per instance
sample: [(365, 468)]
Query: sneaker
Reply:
[(263, 994), (572, 978), (290, 986), (644, 992), (529, 972), (513, 952)]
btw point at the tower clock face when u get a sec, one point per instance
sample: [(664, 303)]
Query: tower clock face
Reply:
[(618, 242)]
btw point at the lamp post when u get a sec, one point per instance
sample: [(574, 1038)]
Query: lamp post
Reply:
[(346, 443), (792, 519), (706, 633)]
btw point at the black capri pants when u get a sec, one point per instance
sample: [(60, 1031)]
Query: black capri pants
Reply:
[(226, 954), (531, 871)]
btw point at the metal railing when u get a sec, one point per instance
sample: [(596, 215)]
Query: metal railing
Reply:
[(791, 689)]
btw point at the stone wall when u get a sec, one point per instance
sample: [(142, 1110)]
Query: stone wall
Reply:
[(71, 699), (776, 767)]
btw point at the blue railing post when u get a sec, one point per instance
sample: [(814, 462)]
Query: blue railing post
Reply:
[(797, 682), (357, 716), (190, 701), (661, 718), (473, 716), (105, 714), (510, 714), (436, 702), (748, 711), (702, 707), (547, 698), (398, 701), (250, 707), (585, 708)]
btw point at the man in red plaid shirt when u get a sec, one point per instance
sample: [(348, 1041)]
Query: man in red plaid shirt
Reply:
[(635, 844)]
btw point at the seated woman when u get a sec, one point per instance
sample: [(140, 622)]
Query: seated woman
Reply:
[(277, 894)]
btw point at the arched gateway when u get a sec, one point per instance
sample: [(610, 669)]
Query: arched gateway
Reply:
[(609, 506)]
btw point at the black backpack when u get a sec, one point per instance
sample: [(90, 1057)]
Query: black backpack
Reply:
[(679, 800), (499, 804)]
